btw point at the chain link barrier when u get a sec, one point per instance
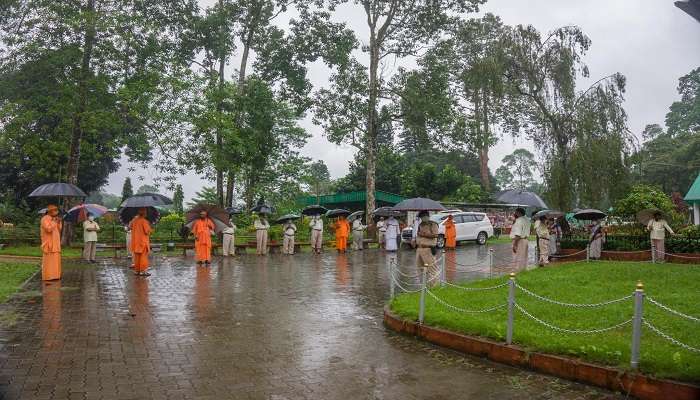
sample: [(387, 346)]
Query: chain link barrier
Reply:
[(568, 255), (463, 310), (668, 337), (573, 331), (680, 256), (473, 289), (574, 305), (672, 311)]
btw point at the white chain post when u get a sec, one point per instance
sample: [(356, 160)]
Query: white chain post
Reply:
[(588, 252), (421, 306), (442, 269), (511, 308), (637, 325), (391, 279), (491, 251), (653, 252)]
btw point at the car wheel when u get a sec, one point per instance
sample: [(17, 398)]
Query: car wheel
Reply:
[(481, 238), (441, 241)]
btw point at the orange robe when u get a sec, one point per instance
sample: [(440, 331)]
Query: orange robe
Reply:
[(140, 242), (450, 234), (342, 231), (202, 233), (50, 248)]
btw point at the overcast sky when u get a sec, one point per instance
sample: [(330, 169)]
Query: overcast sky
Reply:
[(651, 42)]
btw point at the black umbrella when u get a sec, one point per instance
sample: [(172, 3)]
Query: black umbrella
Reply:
[(166, 200), (263, 209), (419, 204), (386, 212), (286, 218), (355, 215), (128, 213), (548, 214), (590, 214), (57, 189), (139, 201), (234, 210), (521, 197), (314, 210), (337, 213)]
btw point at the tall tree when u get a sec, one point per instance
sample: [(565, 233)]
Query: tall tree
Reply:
[(178, 200), (520, 166), (567, 124), (318, 178), (395, 28), (127, 189)]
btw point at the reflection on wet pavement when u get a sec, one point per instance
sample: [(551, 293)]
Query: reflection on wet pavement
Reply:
[(250, 327)]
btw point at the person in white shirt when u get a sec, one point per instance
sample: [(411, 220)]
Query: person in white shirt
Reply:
[(519, 233), (316, 226), (597, 237), (393, 232), (261, 227), (542, 232), (381, 232), (289, 230), (414, 232), (358, 235), (229, 239), (90, 229), (657, 228)]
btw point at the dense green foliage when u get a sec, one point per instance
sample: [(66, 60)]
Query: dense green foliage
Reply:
[(672, 285)]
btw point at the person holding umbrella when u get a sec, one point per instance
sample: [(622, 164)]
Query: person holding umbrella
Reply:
[(261, 227), (426, 239), (229, 239), (597, 237), (358, 234), (90, 229), (51, 244), (393, 232), (289, 229), (316, 225), (657, 228), (381, 232), (519, 233), (141, 241), (203, 229)]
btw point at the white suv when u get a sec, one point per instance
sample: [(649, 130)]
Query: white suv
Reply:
[(469, 226)]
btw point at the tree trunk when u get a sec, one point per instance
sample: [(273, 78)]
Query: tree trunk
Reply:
[(229, 189), (561, 178), (484, 150), (77, 129), (371, 139)]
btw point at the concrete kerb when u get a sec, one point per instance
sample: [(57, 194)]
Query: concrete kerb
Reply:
[(638, 385)]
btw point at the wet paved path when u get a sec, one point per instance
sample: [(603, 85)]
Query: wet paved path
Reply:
[(279, 327)]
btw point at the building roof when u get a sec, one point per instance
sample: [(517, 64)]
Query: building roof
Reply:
[(693, 195)]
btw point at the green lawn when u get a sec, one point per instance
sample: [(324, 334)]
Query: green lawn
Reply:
[(12, 275), (675, 285), (35, 251)]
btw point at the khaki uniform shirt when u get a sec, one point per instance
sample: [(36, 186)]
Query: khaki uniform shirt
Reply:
[(427, 228)]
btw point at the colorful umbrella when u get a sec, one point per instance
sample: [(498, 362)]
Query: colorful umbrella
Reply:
[(80, 212)]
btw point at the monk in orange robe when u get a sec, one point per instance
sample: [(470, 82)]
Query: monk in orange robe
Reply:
[(141, 242), (202, 231), (450, 233), (342, 231), (51, 244)]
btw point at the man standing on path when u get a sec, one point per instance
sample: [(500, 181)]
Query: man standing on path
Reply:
[(51, 244), (289, 230), (316, 226), (426, 239), (381, 233), (519, 233), (90, 229), (657, 227), (202, 229), (393, 232), (358, 237), (141, 242), (342, 230), (229, 239), (261, 226), (542, 232)]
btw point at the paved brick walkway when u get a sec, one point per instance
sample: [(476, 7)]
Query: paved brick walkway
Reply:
[(299, 327)]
